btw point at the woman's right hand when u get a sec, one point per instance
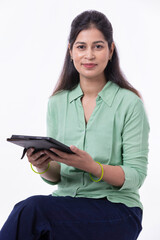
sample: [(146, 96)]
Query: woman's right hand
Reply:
[(39, 159)]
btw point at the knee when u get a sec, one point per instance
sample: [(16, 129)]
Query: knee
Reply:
[(31, 203)]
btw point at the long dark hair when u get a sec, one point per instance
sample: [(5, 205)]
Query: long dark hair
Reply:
[(69, 77)]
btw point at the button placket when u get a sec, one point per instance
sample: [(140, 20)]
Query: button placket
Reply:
[(98, 104)]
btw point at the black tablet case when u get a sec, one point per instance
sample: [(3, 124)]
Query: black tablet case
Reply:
[(38, 143)]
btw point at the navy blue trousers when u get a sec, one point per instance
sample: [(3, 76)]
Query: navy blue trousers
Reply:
[(60, 218)]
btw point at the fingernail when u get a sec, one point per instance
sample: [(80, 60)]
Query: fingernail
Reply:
[(73, 147), (52, 149)]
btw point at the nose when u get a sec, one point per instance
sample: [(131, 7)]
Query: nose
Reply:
[(89, 54)]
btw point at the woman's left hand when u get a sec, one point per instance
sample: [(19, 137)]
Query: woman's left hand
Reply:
[(81, 159)]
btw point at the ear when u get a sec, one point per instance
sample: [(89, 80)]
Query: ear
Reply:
[(112, 49), (70, 51)]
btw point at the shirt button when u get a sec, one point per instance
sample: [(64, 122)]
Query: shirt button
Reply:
[(98, 98)]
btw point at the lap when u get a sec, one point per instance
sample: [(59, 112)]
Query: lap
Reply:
[(82, 218)]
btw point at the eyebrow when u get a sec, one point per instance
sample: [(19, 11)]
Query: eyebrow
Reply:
[(93, 42)]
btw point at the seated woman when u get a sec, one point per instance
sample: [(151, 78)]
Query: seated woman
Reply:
[(98, 113)]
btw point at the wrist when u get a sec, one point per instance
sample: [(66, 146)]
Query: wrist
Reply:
[(96, 170), (43, 167), (97, 174), (40, 170)]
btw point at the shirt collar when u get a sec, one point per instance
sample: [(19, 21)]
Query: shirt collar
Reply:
[(107, 94), (75, 93)]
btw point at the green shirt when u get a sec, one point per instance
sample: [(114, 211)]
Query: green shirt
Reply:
[(116, 134)]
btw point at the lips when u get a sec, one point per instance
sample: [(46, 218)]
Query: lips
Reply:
[(89, 65)]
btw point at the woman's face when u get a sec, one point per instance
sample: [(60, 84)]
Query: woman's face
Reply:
[(90, 53)]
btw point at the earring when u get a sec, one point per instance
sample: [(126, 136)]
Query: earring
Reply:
[(71, 59)]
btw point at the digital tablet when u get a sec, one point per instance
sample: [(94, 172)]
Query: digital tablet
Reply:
[(38, 143)]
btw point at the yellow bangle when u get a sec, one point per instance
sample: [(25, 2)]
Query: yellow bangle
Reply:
[(40, 172), (101, 174)]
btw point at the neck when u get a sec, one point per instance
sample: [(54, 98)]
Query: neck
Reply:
[(92, 87)]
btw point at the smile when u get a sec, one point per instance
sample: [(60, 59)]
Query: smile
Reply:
[(89, 65)]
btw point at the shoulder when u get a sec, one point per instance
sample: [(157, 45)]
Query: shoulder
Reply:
[(58, 98), (129, 105), (128, 95), (57, 102), (129, 99), (133, 106)]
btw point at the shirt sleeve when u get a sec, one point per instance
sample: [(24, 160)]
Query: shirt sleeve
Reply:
[(49, 182), (135, 146), (51, 129), (51, 119)]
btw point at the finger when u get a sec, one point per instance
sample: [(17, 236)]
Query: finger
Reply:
[(36, 156), (59, 159), (44, 164), (59, 153), (41, 159), (30, 152), (52, 155), (76, 150)]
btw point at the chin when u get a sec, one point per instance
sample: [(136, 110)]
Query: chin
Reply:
[(92, 76)]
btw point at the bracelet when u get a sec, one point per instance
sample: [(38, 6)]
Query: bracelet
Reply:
[(40, 172), (101, 174)]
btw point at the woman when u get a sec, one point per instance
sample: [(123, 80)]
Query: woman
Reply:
[(97, 110)]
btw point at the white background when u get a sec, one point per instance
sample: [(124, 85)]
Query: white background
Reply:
[(33, 41)]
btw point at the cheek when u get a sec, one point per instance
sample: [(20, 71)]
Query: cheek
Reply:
[(104, 56), (104, 59), (77, 60), (77, 65), (77, 56)]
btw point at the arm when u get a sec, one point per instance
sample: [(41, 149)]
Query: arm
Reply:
[(114, 175), (40, 160), (132, 172), (53, 173), (135, 146)]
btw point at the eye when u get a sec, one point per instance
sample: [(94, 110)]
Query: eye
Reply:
[(98, 46), (81, 47)]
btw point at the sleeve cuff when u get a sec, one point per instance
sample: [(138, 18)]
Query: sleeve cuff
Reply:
[(131, 178), (49, 182)]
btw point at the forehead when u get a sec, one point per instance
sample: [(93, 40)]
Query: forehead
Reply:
[(90, 35)]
